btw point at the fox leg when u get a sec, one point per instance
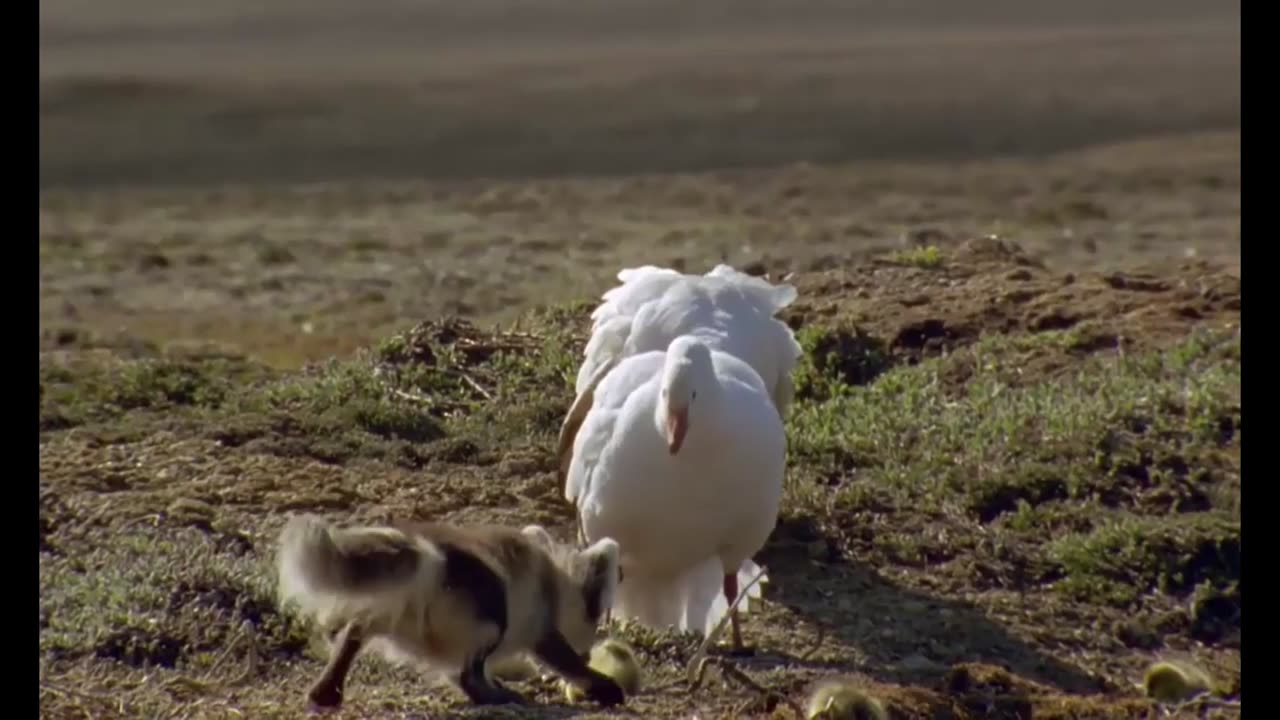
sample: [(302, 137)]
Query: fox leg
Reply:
[(327, 691), (556, 652), (479, 687)]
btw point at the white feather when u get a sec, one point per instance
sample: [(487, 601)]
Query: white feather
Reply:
[(728, 310)]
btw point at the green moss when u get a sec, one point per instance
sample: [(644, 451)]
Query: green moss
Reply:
[(1143, 435), (1126, 557), (928, 257)]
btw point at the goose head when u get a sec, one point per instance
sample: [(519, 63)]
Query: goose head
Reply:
[(688, 384)]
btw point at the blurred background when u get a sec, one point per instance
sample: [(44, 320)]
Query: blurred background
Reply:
[(245, 171), (165, 91)]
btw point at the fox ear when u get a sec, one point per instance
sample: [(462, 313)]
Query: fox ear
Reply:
[(539, 535), (601, 581)]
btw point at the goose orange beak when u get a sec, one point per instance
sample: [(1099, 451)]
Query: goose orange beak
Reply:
[(677, 426)]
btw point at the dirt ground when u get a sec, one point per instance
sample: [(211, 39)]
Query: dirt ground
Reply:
[(298, 273), (1014, 466)]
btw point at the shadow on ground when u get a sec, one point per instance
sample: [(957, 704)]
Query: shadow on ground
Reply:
[(909, 637)]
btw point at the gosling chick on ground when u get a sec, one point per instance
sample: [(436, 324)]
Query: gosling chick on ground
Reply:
[(841, 700), (1170, 682), (615, 659)]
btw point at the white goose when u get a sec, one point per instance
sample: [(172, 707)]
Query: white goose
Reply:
[(729, 310), (680, 459)]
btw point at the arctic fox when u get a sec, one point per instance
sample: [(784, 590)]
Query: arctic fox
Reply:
[(454, 598)]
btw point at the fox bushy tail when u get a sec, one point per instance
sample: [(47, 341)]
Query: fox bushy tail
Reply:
[(369, 573)]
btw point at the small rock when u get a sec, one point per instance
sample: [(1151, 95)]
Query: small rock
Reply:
[(518, 466), (918, 663), (1135, 282), (153, 261)]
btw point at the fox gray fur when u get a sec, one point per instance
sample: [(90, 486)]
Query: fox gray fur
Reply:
[(452, 598)]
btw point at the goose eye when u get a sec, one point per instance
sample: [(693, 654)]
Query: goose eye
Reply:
[(695, 394)]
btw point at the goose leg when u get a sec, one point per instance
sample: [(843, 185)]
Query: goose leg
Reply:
[(731, 595)]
